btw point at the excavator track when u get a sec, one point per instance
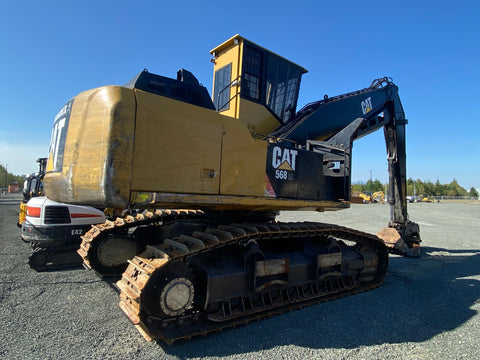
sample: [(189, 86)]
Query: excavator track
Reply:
[(99, 231), (163, 306), (54, 257)]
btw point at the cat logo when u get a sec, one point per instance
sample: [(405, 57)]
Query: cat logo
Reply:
[(284, 159), (367, 105), (282, 168), (59, 135)]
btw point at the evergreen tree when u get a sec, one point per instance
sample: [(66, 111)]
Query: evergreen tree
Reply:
[(473, 193)]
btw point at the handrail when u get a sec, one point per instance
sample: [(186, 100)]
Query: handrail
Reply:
[(237, 79)]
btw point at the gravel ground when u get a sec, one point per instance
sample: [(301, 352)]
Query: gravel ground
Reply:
[(426, 309)]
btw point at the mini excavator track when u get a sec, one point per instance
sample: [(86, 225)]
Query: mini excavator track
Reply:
[(54, 257), (230, 275)]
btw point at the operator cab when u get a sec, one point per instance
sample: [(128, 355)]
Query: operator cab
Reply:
[(255, 85)]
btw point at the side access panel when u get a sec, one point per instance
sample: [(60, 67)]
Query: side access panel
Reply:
[(177, 146), (243, 161)]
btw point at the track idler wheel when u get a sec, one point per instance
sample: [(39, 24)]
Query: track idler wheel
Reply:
[(171, 292), (109, 255)]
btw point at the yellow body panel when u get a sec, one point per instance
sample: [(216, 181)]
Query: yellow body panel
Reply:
[(231, 54), (177, 146), (98, 151), (243, 161), (170, 157), (257, 118), (23, 213)]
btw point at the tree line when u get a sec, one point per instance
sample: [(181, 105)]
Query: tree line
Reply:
[(421, 188), (8, 179)]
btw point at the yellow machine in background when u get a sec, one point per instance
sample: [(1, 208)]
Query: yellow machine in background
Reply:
[(32, 187), (157, 144), (376, 197)]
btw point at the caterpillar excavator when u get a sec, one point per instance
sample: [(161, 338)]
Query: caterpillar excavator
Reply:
[(376, 197), (200, 181)]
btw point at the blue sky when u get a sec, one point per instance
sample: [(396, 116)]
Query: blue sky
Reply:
[(53, 50)]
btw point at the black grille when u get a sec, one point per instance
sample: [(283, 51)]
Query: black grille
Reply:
[(57, 215)]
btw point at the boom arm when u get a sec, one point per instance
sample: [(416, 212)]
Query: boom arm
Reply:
[(327, 124)]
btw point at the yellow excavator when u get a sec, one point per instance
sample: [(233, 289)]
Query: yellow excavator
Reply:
[(159, 144), (376, 197)]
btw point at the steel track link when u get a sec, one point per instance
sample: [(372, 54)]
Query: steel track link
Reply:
[(142, 268), (99, 230)]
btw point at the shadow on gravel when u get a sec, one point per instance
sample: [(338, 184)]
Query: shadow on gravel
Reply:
[(112, 282), (55, 268), (419, 299)]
